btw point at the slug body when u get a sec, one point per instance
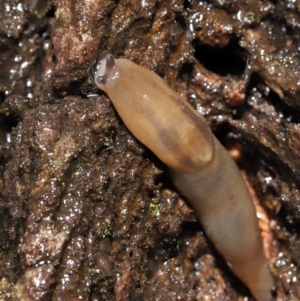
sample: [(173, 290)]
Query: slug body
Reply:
[(200, 167)]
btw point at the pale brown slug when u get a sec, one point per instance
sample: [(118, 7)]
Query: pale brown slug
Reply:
[(200, 167)]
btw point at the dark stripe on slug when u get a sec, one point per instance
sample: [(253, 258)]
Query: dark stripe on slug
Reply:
[(168, 139), (176, 149), (188, 112), (196, 118)]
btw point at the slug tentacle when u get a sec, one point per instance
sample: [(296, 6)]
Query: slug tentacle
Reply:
[(199, 165), (105, 71)]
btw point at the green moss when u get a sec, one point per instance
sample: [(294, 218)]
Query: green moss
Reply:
[(154, 209)]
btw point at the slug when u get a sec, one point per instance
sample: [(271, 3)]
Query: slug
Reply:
[(199, 165)]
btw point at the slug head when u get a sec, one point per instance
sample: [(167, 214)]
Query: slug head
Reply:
[(106, 72)]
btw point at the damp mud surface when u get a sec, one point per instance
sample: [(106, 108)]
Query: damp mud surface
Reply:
[(86, 211)]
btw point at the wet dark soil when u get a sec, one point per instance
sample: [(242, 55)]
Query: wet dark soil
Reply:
[(86, 211)]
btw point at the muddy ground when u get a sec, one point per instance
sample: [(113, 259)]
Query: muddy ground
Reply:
[(86, 211)]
